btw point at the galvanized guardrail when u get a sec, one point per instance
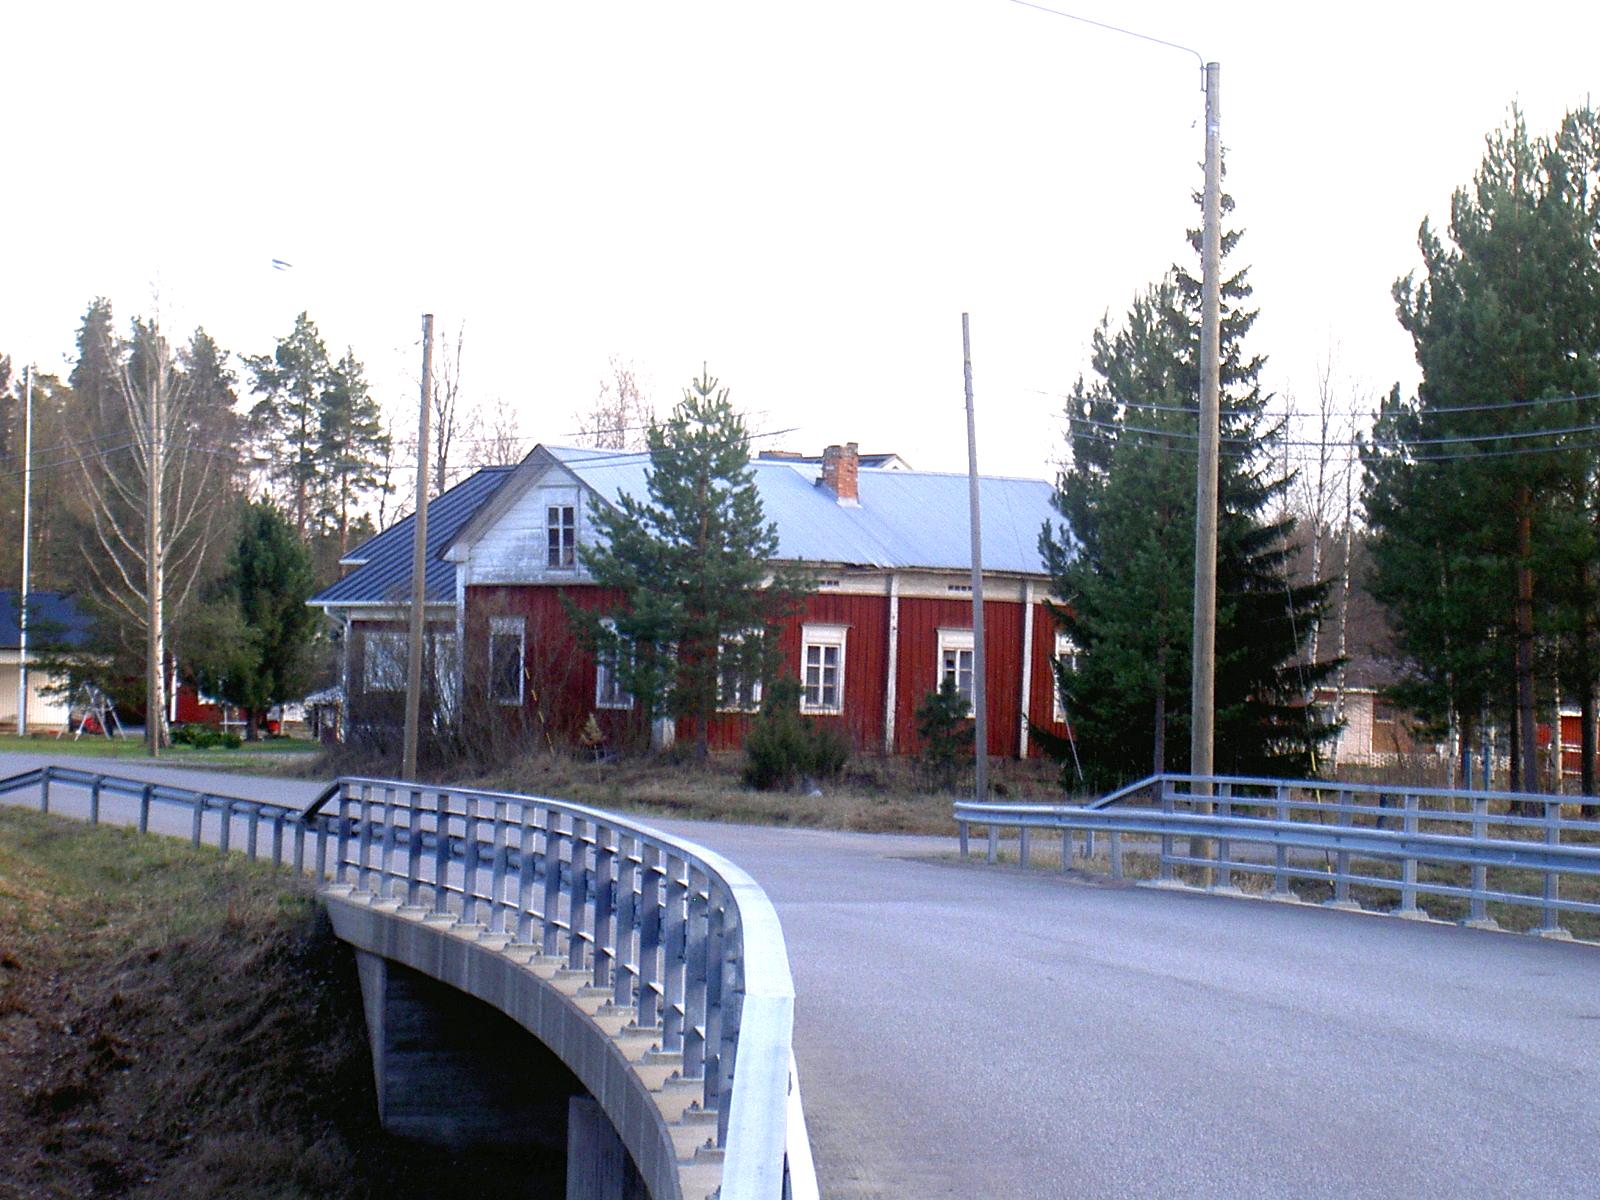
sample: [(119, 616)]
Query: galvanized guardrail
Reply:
[(677, 932), (1350, 828)]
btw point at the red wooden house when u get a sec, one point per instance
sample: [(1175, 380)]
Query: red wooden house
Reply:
[(891, 615)]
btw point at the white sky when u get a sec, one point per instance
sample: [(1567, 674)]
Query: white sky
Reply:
[(805, 196)]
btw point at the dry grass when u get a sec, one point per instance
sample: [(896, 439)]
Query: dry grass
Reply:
[(875, 794), (176, 1025)]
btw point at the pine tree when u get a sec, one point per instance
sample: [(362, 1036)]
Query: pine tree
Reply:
[(351, 446), (1123, 559), (1480, 505), (292, 382), (700, 597)]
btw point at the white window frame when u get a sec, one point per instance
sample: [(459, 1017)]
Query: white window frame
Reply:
[(501, 627), (1068, 651), (557, 548), (822, 638), (385, 659), (957, 642), (738, 704), (608, 689)]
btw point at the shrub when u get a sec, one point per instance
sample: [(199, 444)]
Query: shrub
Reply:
[(204, 737), (783, 748), (947, 733)]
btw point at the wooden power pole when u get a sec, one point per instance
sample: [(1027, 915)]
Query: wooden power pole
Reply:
[(1202, 742), (419, 562), (980, 707)]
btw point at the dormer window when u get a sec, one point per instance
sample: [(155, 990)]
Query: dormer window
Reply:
[(561, 533)]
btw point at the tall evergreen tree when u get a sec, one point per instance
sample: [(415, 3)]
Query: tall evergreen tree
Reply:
[(1474, 485), (251, 646), (292, 382), (1123, 559), (700, 598), (352, 443)]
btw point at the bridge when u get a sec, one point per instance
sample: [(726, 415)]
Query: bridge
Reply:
[(968, 1031)]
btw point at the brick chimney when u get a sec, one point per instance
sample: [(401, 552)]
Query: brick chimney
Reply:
[(840, 466)]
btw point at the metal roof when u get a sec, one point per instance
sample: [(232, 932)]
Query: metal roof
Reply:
[(385, 577), (54, 619), (905, 519)]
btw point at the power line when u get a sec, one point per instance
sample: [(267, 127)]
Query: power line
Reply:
[(1351, 414)]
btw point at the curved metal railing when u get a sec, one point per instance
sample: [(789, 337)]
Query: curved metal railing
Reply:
[(676, 932)]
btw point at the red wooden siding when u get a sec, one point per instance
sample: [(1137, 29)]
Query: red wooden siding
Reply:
[(920, 622), (560, 677), (1042, 687)]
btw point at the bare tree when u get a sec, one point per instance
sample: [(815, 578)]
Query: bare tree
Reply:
[(1321, 496), (621, 412), (152, 508), (448, 424), (499, 442)]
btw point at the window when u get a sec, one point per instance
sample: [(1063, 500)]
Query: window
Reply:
[(383, 661), (955, 660), (608, 689), (506, 657), (561, 534), (822, 668), (1067, 656), (739, 672)]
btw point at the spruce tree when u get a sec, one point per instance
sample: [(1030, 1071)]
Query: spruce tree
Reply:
[(251, 645), (1123, 558), (1481, 488), (692, 563)]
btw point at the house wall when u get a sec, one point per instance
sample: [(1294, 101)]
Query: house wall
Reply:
[(44, 711), (560, 676)]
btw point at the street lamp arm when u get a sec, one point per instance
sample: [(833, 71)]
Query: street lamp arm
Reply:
[(1143, 37)]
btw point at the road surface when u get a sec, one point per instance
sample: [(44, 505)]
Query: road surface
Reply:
[(976, 1032)]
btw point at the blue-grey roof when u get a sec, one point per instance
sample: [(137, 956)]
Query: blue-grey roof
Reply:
[(385, 577), (54, 620), (905, 520)]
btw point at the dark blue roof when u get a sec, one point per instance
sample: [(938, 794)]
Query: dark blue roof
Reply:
[(54, 619), (385, 577)]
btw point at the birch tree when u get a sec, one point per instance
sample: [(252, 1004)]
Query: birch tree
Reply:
[(152, 504)]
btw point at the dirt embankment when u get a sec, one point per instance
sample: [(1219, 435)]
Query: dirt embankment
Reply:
[(175, 1026)]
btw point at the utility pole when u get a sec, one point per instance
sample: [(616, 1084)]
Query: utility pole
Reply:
[(980, 707), (1204, 660), (27, 513), (419, 561)]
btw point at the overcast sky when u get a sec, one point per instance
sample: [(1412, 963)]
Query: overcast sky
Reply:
[(804, 196)]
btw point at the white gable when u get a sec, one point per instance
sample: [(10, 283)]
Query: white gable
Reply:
[(516, 547)]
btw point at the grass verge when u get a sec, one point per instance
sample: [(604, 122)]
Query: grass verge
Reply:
[(874, 795), (174, 1024)]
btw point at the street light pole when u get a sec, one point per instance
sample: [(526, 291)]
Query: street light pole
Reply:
[(1202, 706), (27, 514)]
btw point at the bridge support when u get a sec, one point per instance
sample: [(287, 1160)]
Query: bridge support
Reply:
[(454, 1072)]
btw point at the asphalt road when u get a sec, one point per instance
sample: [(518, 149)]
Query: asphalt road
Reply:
[(975, 1032)]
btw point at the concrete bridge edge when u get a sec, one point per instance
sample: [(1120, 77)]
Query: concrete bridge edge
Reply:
[(453, 955)]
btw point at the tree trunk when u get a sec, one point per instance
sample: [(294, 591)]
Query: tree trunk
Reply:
[(1467, 730), (1587, 737), (1525, 715), (252, 726), (1158, 760)]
